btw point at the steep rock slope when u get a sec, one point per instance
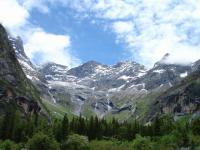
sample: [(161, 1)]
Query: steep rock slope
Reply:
[(14, 86), (181, 99)]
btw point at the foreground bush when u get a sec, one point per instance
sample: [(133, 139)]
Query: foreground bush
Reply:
[(142, 143), (167, 142), (75, 142), (8, 145), (110, 145), (41, 141)]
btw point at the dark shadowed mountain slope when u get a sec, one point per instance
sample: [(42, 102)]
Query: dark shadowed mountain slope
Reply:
[(13, 81), (181, 99)]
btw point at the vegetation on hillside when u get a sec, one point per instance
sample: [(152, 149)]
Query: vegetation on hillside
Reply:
[(92, 134)]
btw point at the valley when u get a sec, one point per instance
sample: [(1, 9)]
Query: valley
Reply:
[(96, 105)]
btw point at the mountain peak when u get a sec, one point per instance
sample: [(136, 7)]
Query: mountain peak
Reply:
[(125, 63), (91, 63), (85, 69), (49, 64), (163, 60), (165, 57), (52, 68)]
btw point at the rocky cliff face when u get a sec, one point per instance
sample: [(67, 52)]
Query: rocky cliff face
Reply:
[(181, 99), (196, 66), (13, 81), (28, 67)]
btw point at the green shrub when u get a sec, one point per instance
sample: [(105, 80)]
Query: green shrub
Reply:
[(194, 141), (8, 145), (195, 126), (142, 143), (75, 142), (40, 141), (167, 142), (110, 145)]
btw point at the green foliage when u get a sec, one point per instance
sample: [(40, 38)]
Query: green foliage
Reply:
[(182, 131), (110, 145), (8, 122), (41, 141), (8, 145), (163, 133), (167, 142), (195, 125), (76, 142), (142, 143), (65, 128), (194, 141)]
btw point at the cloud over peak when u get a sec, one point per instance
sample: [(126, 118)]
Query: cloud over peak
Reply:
[(166, 28), (14, 15), (152, 28)]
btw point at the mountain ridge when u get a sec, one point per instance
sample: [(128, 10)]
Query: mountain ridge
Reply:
[(92, 86)]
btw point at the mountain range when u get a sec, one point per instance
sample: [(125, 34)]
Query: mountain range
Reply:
[(125, 90)]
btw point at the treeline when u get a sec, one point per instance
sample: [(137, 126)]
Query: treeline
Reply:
[(17, 132), (95, 128)]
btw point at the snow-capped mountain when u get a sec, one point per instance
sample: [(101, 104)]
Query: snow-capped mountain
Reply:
[(103, 77), (164, 74), (30, 69), (101, 89), (53, 71)]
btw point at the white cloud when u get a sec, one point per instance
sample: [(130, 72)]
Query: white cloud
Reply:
[(114, 9), (121, 27), (14, 15), (152, 28), (55, 48)]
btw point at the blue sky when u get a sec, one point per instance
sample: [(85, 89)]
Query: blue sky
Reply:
[(73, 32), (89, 40)]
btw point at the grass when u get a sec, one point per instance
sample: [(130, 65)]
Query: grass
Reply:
[(124, 115), (58, 110), (144, 105), (87, 111), (110, 145)]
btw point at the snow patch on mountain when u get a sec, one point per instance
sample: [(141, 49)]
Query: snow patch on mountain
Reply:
[(183, 75), (159, 71)]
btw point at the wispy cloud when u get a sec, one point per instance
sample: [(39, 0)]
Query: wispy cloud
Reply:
[(157, 27), (150, 28)]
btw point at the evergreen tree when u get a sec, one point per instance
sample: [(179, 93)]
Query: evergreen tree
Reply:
[(8, 123), (57, 130), (157, 126), (65, 127), (91, 128)]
